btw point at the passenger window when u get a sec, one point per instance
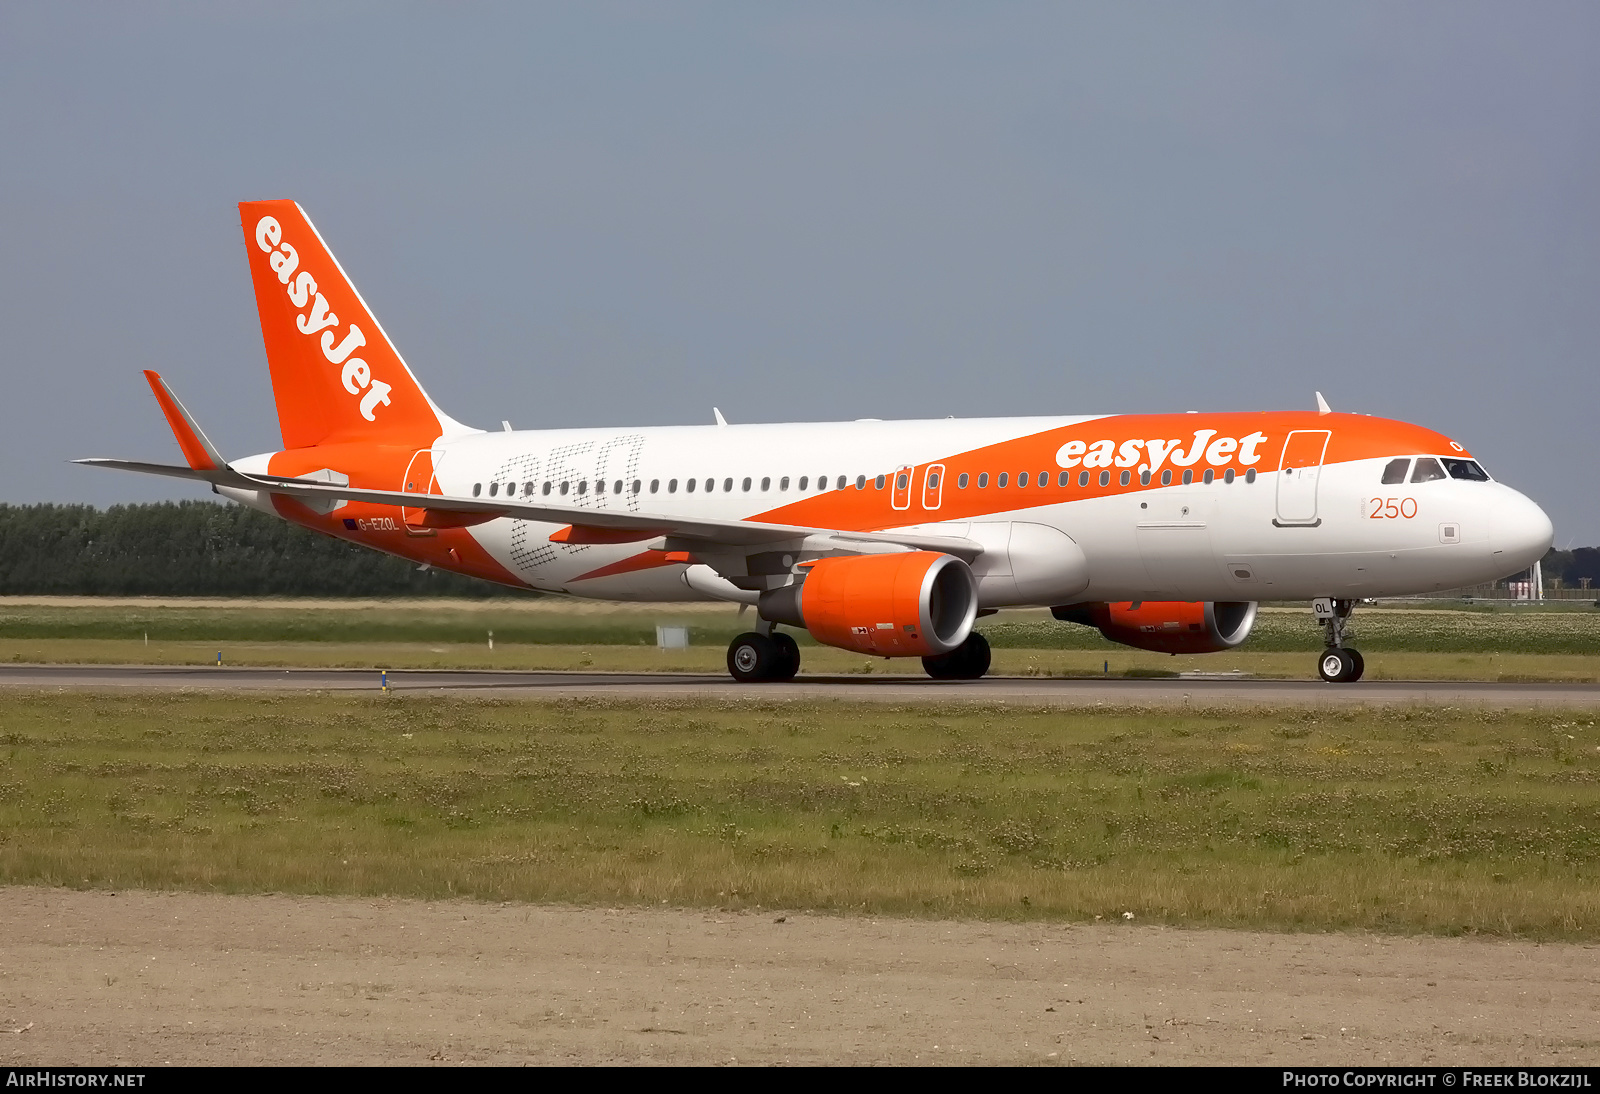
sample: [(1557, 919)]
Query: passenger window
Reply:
[(983, 481), (745, 486), (766, 484), (1044, 478), (879, 482), (477, 489), (1126, 475), (933, 480), (1466, 469), (710, 483), (1427, 470), (636, 485), (1250, 475), (511, 489), (546, 490), (1144, 478), (1022, 479), (1001, 481), (727, 486), (804, 479), (564, 489), (1188, 477), (1210, 474), (840, 484), (616, 487), (689, 485), (655, 485), (1105, 478), (902, 481), (1227, 476), (1064, 478), (583, 486), (1083, 478), (861, 482), (494, 489), (672, 486), (783, 483), (822, 482), (961, 480), (1395, 471), (1166, 477)]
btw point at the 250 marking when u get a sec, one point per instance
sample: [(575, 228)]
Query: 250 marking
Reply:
[(1392, 508)]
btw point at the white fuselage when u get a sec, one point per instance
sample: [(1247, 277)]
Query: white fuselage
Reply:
[(1219, 541)]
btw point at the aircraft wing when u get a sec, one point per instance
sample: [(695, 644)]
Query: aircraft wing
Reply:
[(584, 525)]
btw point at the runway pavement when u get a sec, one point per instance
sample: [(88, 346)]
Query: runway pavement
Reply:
[(1036, 691)]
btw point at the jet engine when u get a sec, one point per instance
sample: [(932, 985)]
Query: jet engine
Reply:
[(905, 604), (1167, 626)]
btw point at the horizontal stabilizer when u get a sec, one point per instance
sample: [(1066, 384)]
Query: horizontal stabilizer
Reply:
[(223, 476)]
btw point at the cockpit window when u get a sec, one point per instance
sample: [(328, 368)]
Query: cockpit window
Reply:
[(1395, 470), (1466, 469), (1427, 470)]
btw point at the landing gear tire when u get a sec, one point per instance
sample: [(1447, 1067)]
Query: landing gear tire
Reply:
[(968, 661), (752, 658), (1341, 665), (788, 657)]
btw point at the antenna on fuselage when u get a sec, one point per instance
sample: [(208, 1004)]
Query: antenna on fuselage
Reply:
[(1322, 405), (720, 419)]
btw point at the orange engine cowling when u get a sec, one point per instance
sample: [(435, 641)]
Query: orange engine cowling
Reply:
[(906, 604), (1167, 626)]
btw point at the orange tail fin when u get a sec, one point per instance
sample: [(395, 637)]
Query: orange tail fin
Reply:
[(335, 375)]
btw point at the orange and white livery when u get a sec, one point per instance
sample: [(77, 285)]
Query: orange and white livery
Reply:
[(889, 538)]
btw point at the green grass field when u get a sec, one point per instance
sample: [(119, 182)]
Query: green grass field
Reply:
[(1443, 821), (557, 634)]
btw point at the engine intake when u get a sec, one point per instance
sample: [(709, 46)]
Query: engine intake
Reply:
[(1167, 626), (906, 604)]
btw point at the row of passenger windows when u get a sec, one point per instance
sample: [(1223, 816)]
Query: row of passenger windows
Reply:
[(1428, 469), (902, 482), (689, 486)]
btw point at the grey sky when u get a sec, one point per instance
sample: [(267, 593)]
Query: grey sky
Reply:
[(620, 214)]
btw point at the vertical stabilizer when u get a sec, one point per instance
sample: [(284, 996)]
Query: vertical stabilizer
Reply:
[(335, 375)]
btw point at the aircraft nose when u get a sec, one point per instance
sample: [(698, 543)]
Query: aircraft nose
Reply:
[(1519, 531)]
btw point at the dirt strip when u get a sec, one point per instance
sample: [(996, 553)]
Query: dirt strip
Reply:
[(139, 978)]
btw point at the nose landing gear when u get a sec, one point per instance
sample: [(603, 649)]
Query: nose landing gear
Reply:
[(1339, 664)]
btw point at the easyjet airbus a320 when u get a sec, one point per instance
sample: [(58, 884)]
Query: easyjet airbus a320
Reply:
[(886, 538)]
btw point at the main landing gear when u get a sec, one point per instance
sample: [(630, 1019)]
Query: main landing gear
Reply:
[(754, 657), (1339, 663), (967, 661)]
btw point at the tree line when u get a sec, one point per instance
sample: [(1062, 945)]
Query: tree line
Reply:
[(1573, 568), (198, 548)]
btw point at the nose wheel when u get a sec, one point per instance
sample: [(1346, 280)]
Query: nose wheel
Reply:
[(1339, 663), (1341, 666)]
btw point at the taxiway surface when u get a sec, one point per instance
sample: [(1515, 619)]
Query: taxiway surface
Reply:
[(1040, 691)]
